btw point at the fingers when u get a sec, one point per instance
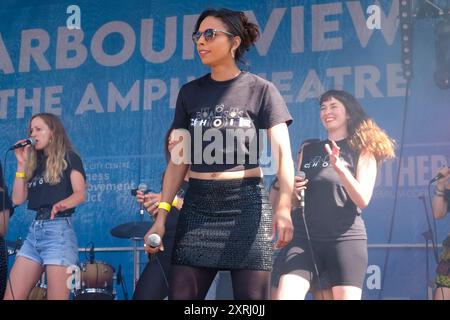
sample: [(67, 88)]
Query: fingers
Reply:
[(150, 250), (284, 236), (153, 250), (151, 205), (335, 146), (332, 150), (328, 149)]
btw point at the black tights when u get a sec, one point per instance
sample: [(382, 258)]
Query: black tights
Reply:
[(192, 283)]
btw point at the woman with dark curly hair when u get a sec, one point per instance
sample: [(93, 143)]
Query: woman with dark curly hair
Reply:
[(340, 177)]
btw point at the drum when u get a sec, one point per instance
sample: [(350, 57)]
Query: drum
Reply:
[(38, 293), (96, 282)]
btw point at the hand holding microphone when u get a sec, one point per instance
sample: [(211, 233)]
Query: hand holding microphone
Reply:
[(300, 186), (444, 172), (21, 147), (142, 187), (153, 238), (22, 143)]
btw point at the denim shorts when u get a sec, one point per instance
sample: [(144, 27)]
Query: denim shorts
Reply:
[(51, 242)]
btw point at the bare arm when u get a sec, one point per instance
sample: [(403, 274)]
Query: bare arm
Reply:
[(173, 178), (281, 149), (439, 204), (359, 189), (77, 197), (20, 187)]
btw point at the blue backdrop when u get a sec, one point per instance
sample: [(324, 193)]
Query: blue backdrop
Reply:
[(115, 82)]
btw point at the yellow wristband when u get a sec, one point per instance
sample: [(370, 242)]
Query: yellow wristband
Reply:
[(165, 206), (175, 201), (20, 174)]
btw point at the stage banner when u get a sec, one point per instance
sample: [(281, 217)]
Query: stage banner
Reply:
[(112, 71)]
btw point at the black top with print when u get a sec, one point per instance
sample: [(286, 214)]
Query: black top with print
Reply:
[(224, 119), (41, 194), (330, 213)]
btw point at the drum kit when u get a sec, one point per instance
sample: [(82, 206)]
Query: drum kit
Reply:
[(96, 278)]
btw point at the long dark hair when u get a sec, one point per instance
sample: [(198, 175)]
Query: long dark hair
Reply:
[(237, 23), (363, 132)]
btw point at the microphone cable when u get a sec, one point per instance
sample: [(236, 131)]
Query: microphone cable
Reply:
[(316, 269), (397, 186)]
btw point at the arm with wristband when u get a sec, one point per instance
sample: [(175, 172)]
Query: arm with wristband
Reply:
[(20, 187), (173, 179), (440, 204)]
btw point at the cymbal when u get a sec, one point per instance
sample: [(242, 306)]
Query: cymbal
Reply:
[(135, 229)]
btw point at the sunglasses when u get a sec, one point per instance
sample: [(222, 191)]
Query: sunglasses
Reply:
[(208, 34)]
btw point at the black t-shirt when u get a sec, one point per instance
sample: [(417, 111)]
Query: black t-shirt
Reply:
[(7, 204), (224, 118), (41, 193), (329, 212)]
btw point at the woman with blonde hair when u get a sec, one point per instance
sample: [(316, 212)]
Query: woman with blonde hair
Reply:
[(340, 177), (51, 177)]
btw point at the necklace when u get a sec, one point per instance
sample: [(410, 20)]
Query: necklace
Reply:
[(239, 72)]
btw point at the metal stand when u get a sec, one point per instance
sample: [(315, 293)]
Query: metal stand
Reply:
[(136, 268), (429, 237)]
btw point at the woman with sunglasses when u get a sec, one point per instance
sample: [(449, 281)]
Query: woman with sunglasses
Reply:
[(226, 219)]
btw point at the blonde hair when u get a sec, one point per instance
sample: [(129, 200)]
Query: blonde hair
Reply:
[(364, 134), (57, 149)]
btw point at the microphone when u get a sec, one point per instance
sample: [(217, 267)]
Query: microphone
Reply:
[(142, 187), (23, 144), (438, 176), (302, 176), (91, 254), (119, 275), (153, 240)]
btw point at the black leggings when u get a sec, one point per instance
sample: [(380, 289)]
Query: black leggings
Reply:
[(192, 283)]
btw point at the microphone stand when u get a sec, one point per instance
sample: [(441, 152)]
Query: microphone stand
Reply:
[(428, 236), (122, 283)]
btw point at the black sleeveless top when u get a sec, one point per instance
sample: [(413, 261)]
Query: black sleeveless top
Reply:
[(330, 213)]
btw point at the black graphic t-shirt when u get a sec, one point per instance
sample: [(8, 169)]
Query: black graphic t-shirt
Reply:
[(330, 213), (41, 193), (225, 120)]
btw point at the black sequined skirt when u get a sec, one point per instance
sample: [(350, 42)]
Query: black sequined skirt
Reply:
[(225, 224)]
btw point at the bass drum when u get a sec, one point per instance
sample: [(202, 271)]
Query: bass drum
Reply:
[(96, 282)]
